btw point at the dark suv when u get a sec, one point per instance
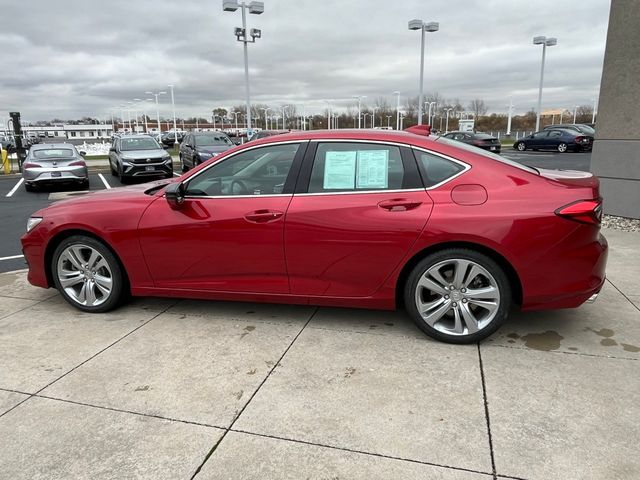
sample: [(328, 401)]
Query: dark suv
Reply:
[(199, 147), (139, 156)]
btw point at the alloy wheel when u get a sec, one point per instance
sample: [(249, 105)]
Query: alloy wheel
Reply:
[(85, 275), (457, 297), (522, 147), (562, 147)]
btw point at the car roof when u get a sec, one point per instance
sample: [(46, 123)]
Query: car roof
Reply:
[(135, 135)]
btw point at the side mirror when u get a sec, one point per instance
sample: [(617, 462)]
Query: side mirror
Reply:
[(174, 194), (83, 153), (166, 147), (112, 149)]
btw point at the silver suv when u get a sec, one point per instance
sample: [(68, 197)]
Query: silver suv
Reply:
[(139, 156)]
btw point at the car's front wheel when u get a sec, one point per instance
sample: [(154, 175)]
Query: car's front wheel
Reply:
[(87, 274), (458, 296), (520, 146)]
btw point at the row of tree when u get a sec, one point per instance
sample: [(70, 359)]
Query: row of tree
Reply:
[(381, 113)]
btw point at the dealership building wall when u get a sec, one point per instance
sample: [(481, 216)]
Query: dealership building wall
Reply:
[(616, 151)]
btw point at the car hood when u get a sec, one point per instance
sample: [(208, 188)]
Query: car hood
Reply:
[(139, 154), (213, 148)]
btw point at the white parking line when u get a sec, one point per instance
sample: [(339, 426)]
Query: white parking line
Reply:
[(13, 190), (13, 257), (104, 180)]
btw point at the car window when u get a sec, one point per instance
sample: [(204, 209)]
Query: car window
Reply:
[(435, 169), (259, 171), (209, 140), (555, 134), (52, 153), (540, 134), (140, 143), (343, 167)]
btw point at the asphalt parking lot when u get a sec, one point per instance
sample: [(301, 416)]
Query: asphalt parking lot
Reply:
[(182, 389)]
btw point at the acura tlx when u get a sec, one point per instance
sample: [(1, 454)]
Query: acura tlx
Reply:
[(455, 235)]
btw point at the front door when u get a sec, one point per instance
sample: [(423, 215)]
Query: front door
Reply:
[(228, 234)]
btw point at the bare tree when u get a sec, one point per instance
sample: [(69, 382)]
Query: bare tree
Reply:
[(478, 107)]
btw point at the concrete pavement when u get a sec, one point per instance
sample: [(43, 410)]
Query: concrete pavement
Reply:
[(181, 389)]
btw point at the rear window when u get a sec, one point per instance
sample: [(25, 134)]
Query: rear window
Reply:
[(53, 153), (484, 153)]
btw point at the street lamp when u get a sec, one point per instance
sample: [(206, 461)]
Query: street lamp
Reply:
[(364, 115), (265, 110), (328, 114), (373, 117), (175, 128), (511, 107), (575, 112), (397, 110), (423, 27), (593, 113), (431, 104), (256, 8), (359, 97), (446, 128), (401, 120), (284, 107), (389, 121), (235, 114), (157, 94), (545, 42)]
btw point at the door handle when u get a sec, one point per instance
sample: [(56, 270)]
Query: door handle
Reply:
[(398, 205), (263, 216)]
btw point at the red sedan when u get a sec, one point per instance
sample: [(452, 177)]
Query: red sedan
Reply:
[(372, 219)]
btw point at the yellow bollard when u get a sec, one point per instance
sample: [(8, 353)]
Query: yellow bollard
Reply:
[(5, 161)]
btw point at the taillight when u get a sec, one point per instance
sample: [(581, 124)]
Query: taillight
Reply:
[(583, 211), (580, 138), (31, 165), (78, 163)]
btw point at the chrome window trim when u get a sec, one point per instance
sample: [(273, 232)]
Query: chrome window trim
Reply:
[(243, 150), (466, 166), (359, 140), (359, 192), (200, 197)]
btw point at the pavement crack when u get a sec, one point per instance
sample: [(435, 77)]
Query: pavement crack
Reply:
[(275, 365), (486, 413)]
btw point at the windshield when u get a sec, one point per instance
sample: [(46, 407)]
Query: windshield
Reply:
[(142, 143), (53, 153), (212, 140), (586, 129), (484, 153)]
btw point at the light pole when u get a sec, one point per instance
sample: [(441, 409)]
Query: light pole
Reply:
[(328, 114), (389, 121), (401, 121), (364, 115), (256, 8), (431, 104), (510, 114), (359, 97), (575, 113), (593, 113), (423, 27), (284, 107), (265, 110), (446, 128), (235, 114), (373, 117), (545, 42), (397, 110), (175, 128), (157, 94)]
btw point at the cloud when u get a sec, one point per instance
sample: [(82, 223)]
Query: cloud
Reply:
[(71, 58)]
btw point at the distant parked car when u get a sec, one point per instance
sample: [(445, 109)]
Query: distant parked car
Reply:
[(558, 139), (199, 147), (480, 140), (139, 156), (169, 138), (266, 133), (54, 163), (576, 127)]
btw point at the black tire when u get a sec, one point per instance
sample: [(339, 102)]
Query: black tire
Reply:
[(84, 185), (29, 188), (113, 170), (488, 264), (119, 286), (183, 167), (520, 146)]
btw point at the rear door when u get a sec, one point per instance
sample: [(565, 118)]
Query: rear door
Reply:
[(357, 210)]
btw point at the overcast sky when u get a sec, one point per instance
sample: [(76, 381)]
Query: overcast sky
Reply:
[(70, 58)]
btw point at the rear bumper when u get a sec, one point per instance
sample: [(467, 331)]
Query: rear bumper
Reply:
[(61, 176), (584, 270)]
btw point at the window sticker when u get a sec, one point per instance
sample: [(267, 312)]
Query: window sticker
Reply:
[(339, 170), (373, 169)]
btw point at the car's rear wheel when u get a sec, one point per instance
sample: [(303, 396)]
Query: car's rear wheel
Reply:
[(562, 147), (183, 167), (87, 274), (520, 146), (29, 188), (458, 296), (113, 170)]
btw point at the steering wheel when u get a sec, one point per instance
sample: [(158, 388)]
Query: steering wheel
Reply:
[(240, 190)]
